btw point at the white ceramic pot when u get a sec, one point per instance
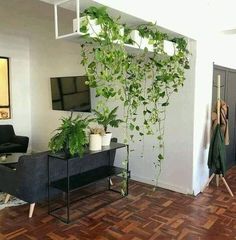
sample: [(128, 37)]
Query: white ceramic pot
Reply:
[(95, 142), (140, 42), (169, 48), (106, 139)]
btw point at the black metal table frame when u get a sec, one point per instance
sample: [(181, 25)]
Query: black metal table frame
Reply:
[(68, 191)]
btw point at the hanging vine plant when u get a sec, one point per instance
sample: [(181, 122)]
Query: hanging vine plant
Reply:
[(143, 81)]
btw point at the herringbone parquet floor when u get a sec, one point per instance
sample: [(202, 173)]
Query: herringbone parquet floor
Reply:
[(143, 215)]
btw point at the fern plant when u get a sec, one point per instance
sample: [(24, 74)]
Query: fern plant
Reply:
[(105, 117), (71, 136)]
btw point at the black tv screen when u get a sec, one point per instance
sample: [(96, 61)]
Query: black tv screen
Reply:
[(70, 94)]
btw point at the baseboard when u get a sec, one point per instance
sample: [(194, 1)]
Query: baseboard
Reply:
[(29, 150), (162, 185)]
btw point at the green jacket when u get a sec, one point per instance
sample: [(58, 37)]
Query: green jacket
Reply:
[(217, 154)]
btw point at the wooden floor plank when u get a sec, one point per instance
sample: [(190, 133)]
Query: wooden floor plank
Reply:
[(143, 215)]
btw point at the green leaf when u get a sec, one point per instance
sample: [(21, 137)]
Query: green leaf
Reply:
[(165, 104), (92, 65), (131, 126), (83, 29), (162, 94)]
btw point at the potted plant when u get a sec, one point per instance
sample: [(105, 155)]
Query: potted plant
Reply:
[(106, 118), (70, 137), (95, 138)]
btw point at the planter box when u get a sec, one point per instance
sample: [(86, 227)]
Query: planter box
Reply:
[(140, 42), (169, 47)]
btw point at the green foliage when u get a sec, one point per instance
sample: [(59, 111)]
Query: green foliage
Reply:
[(107, 118), (143, 82), (70, 136)]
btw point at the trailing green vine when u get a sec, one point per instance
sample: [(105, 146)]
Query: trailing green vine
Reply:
[(143, 81)]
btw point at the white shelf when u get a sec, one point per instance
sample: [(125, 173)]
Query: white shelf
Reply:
[(78, 6), (84, 4), (77, 37)]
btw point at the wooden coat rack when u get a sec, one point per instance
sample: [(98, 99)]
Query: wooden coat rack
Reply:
[(218, 176)]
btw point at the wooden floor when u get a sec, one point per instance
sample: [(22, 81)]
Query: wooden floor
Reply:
[(143, 215)]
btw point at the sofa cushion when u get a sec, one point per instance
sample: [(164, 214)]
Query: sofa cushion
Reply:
[(10, 148)]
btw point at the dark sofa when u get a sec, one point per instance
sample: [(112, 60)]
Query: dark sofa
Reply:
[(10, 142), (29, 182)]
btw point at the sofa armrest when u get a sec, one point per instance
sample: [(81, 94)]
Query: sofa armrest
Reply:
[(21, 140), (8, 179)]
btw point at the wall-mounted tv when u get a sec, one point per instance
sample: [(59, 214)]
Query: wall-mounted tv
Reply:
[(70, 94)]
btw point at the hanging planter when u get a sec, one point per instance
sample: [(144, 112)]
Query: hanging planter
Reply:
[(142, 82), (143, 42), (140, 42), (169, 48)]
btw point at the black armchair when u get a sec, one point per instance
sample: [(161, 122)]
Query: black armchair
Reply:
[(10, 142)]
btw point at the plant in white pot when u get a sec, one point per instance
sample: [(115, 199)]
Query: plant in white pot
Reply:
[(106, 118), (95, 138)]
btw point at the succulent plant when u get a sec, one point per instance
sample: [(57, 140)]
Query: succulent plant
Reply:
[(97, 130)]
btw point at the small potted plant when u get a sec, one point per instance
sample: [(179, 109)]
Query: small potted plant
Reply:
[(106, 118), (95, 138), (71, 137)]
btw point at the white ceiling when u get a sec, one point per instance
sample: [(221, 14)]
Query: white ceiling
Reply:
[(221, 13), (71, 5)]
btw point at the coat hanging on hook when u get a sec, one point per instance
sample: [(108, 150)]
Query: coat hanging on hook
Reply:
[(217, 153), (224, 124)]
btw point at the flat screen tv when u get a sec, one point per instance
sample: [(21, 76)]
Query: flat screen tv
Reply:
[(70, 94)]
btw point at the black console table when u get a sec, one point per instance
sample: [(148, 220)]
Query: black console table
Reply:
[(74, 182)]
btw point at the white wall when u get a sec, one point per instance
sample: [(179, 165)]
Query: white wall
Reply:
[(28, 38), (190, 171), (225, 50), (219, 48), (17, 49), (177, 167), (187, 142), (202, 114)]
